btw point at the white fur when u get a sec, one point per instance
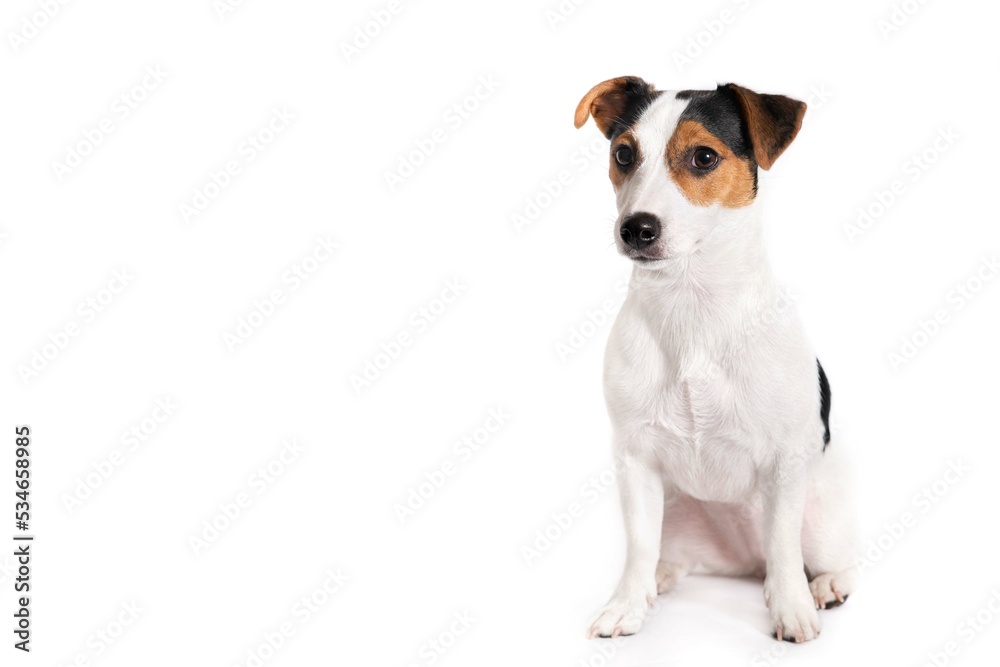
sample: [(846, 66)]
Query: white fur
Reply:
[(713, 394)]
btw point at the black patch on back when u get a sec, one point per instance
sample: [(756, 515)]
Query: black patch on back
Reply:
[(639, 95), (720, 113), (824, 404)]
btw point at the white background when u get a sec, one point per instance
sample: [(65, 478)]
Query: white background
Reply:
[(877, 99)]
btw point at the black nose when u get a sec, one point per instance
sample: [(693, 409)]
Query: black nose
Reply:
[(640, 230)]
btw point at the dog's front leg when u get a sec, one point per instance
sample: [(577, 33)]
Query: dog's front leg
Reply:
[(786, 589), (641, 489)]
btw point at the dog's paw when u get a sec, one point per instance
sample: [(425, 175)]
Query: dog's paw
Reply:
[(667, 576), (619, 618), (831, 589), (793, 615)]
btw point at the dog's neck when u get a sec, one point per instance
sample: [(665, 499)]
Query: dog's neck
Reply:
[(714, 288)]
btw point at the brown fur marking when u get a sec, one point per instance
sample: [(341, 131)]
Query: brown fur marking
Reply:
[(730, 183), (605, 102), (772, 120), (618, 176)]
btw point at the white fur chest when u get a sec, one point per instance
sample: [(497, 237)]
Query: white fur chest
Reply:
[(693, 425), (703, 414), (705, 441)]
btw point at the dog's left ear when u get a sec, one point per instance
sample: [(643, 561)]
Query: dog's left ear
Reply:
[(772, 121)]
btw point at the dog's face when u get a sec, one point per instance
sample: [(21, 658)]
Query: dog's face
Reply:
[(684, 162)]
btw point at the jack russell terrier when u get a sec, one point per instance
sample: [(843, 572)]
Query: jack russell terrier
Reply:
[(719, 408)]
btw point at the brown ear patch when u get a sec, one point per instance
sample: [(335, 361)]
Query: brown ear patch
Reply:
[(772, 122), (731, 183), (615, 104)]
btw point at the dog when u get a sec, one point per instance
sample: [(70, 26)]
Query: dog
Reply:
[(719, 408)]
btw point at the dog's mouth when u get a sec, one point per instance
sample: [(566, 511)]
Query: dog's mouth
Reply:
[(640, 257)]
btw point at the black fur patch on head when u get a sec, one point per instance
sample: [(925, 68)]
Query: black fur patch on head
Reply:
[(824, 404), (720, 113), (640, 95)]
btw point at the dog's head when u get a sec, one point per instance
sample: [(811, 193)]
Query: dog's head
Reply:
[(684, 162)]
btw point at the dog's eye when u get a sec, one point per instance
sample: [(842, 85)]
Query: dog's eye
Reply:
[(623, 155), (704, 158)]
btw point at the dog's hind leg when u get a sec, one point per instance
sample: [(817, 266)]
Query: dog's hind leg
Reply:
[(668, 574), (830, 544)]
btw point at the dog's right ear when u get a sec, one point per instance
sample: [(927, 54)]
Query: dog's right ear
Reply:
[(609, 102)]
